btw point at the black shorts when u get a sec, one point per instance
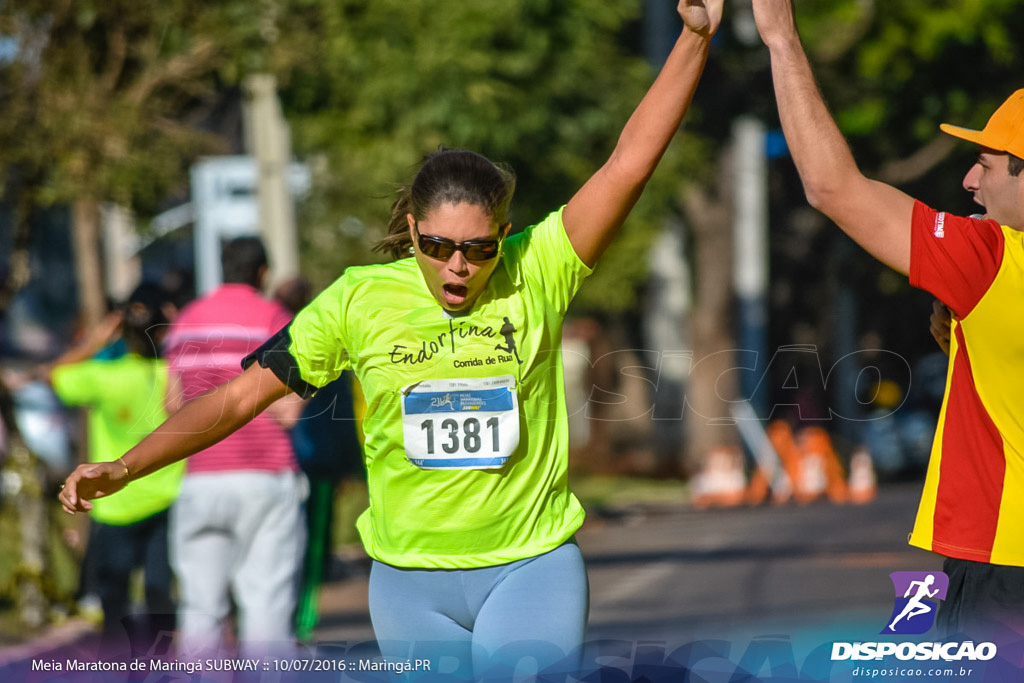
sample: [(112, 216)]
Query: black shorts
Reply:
[(982, 599)]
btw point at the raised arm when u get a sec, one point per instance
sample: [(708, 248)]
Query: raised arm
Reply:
[(198, 425), (595, 213), (877, 216), (105, 332)]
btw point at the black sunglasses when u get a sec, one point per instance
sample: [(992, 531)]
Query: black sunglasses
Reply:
[(443, 248)]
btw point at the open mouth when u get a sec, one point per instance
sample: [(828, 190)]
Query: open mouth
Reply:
[(455, 294)]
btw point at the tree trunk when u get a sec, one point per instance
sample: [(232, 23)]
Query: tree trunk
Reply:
[(85, 237), (713, 378)]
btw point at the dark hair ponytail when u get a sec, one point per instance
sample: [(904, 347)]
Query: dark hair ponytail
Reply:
[(144, 320), (449, 176)]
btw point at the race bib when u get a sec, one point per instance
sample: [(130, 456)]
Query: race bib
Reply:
[(460, 424)]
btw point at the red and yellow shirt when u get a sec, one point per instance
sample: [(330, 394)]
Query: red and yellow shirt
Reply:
[(972, 507)]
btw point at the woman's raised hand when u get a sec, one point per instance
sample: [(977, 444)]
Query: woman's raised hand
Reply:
[(703, 17)]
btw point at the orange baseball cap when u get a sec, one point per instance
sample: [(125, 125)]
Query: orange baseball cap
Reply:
[(1004, 132)]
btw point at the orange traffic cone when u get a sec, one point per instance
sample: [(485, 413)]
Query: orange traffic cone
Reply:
[(722, 482), (863, 485), (824, 472), (781, 436)]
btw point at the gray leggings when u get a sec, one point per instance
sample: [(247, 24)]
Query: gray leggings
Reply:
[(472, 623)]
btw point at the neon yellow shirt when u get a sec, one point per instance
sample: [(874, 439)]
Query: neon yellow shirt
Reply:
[(125, 398), (382, 322)]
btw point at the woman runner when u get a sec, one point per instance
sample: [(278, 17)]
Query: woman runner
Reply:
[(457, 349)]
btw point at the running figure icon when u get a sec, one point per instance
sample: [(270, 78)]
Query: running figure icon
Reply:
[(916, 605)]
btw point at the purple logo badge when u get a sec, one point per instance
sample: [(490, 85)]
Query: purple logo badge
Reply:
[(916, 606)]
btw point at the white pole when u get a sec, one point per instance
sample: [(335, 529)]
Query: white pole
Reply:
[(750, 271)]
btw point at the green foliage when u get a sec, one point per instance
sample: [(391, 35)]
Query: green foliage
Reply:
[(106, 100), (909, 65), (543, 86), (102, 98), (58, 583), (891, 72)]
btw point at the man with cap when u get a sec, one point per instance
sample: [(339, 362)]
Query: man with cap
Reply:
[(972, 507)]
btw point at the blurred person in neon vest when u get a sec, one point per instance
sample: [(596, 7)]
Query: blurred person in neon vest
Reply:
[(126, 397)]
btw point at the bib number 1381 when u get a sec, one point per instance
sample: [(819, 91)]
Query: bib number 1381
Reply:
[(460, 424), (465, 436)]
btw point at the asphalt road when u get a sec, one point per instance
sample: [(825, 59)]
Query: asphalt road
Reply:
[(674, 574)]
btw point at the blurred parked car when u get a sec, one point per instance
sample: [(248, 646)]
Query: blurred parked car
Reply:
[(46, 425)]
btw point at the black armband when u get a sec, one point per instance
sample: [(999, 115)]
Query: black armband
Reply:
[(274, 355)]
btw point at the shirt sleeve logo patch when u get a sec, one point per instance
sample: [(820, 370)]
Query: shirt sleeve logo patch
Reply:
[(940, 225)]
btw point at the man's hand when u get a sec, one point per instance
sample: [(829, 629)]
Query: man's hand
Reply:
[(702, 17), (775, 19), (939, 325)]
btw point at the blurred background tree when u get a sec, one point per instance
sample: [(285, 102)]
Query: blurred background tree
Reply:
[(544, 86), (112, 101), (104, 102), (891, 72)]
